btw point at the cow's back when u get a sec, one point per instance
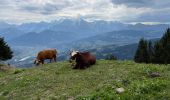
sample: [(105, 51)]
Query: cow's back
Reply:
[(47, 54), (88, 57)]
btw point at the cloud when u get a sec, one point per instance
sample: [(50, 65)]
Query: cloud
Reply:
[(19, 11), (161, 15), (43, 7), (143, 3), (133, 3)]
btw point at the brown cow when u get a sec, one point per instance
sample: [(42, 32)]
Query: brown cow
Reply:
[(46, 54), (82, 59)]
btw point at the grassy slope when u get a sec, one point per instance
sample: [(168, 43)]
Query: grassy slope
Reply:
[(60, 81)]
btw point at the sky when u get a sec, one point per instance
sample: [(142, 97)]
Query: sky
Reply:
[(129, 11)]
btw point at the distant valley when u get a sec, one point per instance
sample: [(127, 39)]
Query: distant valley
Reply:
[(99, 37)]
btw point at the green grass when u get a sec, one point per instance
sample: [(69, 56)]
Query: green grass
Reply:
[(58, 81)]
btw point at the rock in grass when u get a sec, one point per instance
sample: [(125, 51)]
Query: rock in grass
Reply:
[(120, 90), (154, 74), (71, 98)]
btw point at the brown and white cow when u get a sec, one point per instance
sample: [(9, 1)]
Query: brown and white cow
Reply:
[(46, 54), (82, 59)]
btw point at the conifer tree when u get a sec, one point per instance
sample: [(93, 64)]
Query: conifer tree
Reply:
[(142, 52), (150, 52), (164, 49), (5, 50), (158, 53)]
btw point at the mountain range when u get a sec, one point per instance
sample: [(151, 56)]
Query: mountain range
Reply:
[(28, 38)]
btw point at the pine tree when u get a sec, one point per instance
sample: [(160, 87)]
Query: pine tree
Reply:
[(150, 52), (142, 52), (166, 45), (5, 50), (158, 53), (162, 49)]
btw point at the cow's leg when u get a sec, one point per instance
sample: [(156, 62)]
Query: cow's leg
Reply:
[(86, 64), (76, 66), (82, 66), (42, 61), (55, 58)]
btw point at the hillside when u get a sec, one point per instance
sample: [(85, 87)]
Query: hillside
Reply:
[(58, 81), (118, 38), (125, 52)]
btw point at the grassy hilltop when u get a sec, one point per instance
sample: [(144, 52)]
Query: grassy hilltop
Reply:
[(58, 81)]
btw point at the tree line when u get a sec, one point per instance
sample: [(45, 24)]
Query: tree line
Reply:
[(154, 52)]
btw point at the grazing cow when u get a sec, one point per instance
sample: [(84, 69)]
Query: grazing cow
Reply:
[(82, 59), (46, 54)]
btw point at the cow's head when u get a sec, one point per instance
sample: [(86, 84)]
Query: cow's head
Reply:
[(37, 62), (73, 55)]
